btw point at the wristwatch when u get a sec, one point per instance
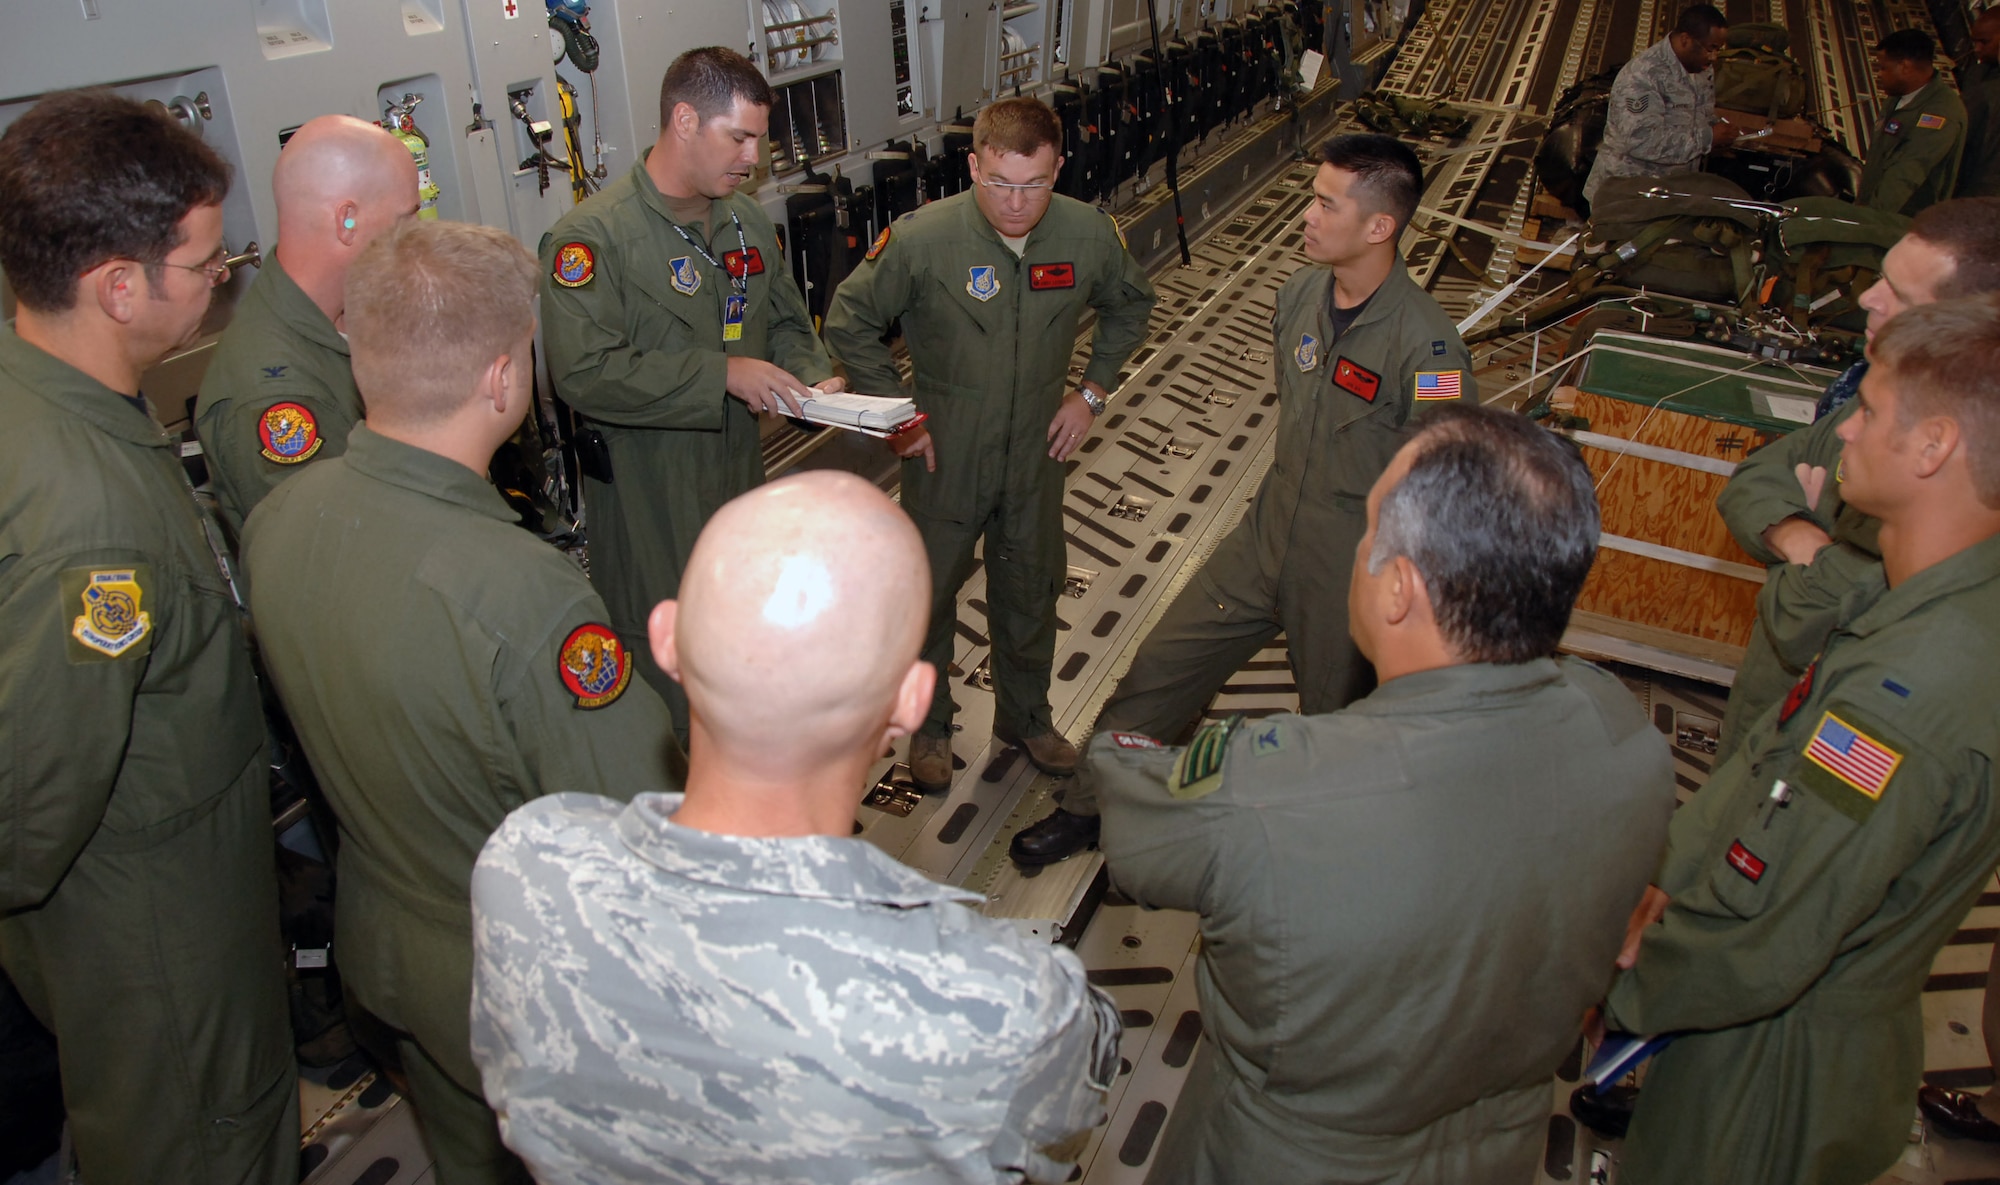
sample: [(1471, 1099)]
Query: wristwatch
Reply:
[(1092, 400)]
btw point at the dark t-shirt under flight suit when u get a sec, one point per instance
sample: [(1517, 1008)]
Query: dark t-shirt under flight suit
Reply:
[(279, 393), (138, 898), (632, 320), (991, 334)]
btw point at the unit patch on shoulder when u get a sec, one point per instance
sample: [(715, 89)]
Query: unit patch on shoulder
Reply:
[(289, 433), (1930, 123), (984, 283), (1745, 861), (1356, 380), (112, 622), (744, 264), (575, 264), (1307, 355), (881, 241), (1134, 740), (1198, 770), (1843, 764), (1044, 276), (1437, 384), (593, 665), (685, 277)]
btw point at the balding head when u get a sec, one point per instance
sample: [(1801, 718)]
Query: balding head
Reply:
[(340, 181), (797, 629)]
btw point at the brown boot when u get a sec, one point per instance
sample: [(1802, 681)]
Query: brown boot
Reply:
[(930, 763), (1050, 751)]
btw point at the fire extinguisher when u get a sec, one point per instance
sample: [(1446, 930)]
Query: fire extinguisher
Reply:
[(401, 121)]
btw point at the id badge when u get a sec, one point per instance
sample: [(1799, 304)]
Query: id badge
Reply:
[(732, 317)]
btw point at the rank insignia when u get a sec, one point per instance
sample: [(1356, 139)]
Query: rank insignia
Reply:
[(686, 279), (1356, 380), (744, 264), (290, 434), (1267, 739), (881, 241), (1637, 104), (594, 665), (276, 372), (1307, 355), (575, 264), (1133, 740), (1745, 861), (1800, 692), (984, 283), (1856, 759), (1043, 276), (1198, 769), (1437, 384), (114, 622), (1930, 123), (1892, 127), (1438, 348)]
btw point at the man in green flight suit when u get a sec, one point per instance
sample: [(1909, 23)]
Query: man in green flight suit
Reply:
[(1979, 87), (671, 325), (1367, 879), (279, 391), (138, 898), (1914, 154), (1809, 885), (1783, 504), (1359, 348), (990, 286), (441, 665)]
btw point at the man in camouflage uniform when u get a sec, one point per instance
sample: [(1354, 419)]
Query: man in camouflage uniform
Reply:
[(279, 391), (1661, 115), (672, 325), (1390, 974), (728, 986), (138, 902), (1979, 88), (989, 286), (1913, 157), (441, 665), (1359, 348), (1807, 888)]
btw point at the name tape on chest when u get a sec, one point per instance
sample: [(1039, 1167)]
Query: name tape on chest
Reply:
[(745, 263), (106, 612), (1134, 740), (575, 264), (1356, 379), (1745, 862), (594, 665), (289, 433), (1438, 385), (1197, 770), (1044, 276)]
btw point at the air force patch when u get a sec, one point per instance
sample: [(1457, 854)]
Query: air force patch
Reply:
[(289, 433), (594, 665), (575, 265), (984, 283), (1307, 355), (113, 622), (686, 277)]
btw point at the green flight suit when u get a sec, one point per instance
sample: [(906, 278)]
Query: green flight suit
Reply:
[(991, 334), (1406, 907), (278, 394), (632, 322), (1342, 408), (1763, 492), (138, 895), (1979, 170), (1913, 158), (442, 667), (1800, 932)]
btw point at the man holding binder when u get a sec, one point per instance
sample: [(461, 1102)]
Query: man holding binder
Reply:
[(990, 287)]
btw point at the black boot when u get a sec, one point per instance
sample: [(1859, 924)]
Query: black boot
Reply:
[(1057, 837), (1608, 1114)]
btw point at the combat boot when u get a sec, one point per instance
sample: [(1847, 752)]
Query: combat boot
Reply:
[(1057, 837), (930, 763), (1050, 751)]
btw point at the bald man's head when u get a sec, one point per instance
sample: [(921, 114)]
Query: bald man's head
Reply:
[(800, 617), (338, 169)]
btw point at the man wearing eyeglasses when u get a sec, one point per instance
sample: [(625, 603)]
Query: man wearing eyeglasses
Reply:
[(138, 902), (990, 287), (279, 393)]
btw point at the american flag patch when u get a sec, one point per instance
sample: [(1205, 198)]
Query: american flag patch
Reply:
[(1437, 384), (1852, 756), (1930, 122)]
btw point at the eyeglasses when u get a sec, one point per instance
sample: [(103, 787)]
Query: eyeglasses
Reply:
[(1038, 188), (216, 268)]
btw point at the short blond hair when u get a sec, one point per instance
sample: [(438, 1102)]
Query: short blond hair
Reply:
[(430, 305)]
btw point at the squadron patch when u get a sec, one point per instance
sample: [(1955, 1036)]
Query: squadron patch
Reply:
[(290, 434), (1437, 384), (686, 278), (743, 264), (575, 264), (1044, 276), (113, 622), (881, 241), (1892, 127), (594, 665), (984, 283), (1198, 770), (1745, 861), (1930, 123), (1356, 380), (1307, 355)]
